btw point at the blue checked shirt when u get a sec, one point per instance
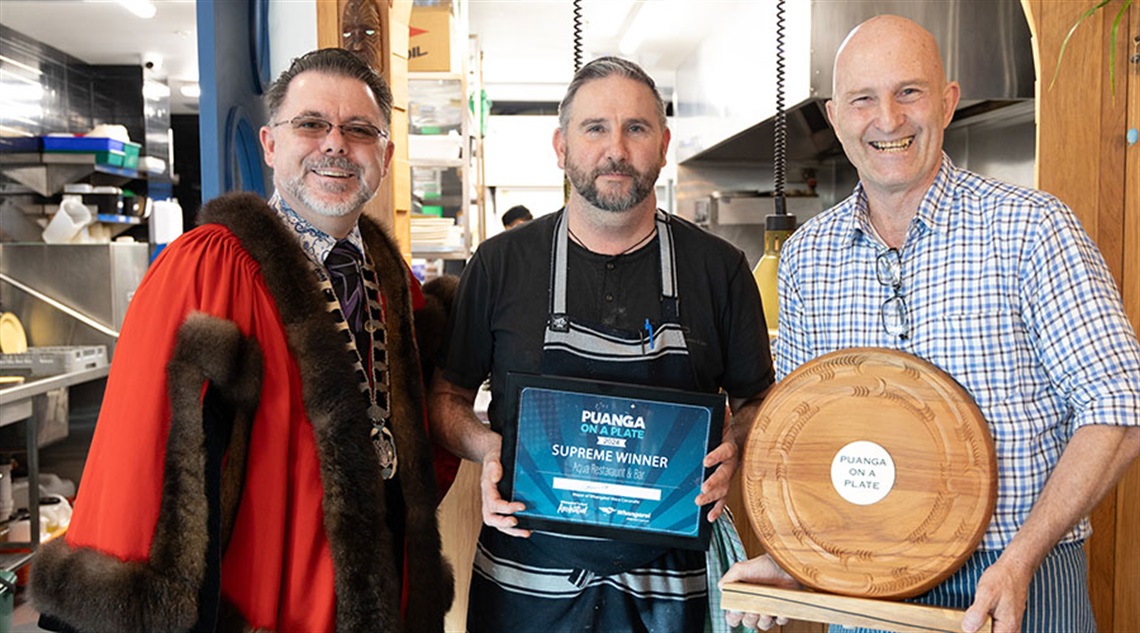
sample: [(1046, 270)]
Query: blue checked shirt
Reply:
[(1006, 293)]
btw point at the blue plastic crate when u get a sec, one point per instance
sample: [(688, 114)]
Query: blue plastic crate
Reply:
[(20, 144), (84, 144), (131, 158)]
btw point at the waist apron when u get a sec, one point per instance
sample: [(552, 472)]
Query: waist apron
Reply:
[(559, 582)]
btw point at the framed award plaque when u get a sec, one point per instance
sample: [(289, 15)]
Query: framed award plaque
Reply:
[(608, 459)]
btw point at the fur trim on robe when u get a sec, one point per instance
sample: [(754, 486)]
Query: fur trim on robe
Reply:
[(83, 587)]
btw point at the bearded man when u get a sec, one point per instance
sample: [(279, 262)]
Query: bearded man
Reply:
[(579, 294)]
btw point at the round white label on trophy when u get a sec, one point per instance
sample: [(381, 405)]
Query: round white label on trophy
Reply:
[(863, 472)]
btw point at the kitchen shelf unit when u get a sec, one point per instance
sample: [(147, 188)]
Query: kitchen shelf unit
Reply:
[(445, 152), (46, 173), (36, 175), (439, 156)]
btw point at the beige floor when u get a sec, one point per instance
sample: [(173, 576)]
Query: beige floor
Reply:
[(24, 618)]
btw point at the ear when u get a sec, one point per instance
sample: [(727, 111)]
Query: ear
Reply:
[(831, 112), (666, 136), (389, 150), (268, 144), (559, 143), (950, 96)]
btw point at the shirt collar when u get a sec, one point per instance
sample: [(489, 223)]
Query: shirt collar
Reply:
[(933, 211), (938, 204), (315, 242)]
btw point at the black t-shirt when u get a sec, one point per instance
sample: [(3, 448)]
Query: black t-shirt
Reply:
[(501, 307)]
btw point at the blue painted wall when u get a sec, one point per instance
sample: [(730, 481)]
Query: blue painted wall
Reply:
[(230, 109)]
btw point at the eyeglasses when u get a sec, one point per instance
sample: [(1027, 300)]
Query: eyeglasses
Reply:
[(895, 314), (318, 128)]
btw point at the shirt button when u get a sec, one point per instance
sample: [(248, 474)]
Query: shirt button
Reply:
[(609, 297), (609, 265)]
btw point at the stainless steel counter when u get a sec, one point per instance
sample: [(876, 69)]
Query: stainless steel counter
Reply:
[(18, 404), (13, 398)]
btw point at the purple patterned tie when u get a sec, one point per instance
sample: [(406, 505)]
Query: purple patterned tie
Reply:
[(343, 264)]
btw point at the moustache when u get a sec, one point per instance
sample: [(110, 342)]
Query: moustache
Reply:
[(615, 168), (334, 162)]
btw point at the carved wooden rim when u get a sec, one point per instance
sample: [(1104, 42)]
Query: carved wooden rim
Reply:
[(945, 474)]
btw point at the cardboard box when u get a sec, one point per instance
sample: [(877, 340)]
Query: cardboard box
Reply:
[(429, 39), (399, 32), (398, 80)]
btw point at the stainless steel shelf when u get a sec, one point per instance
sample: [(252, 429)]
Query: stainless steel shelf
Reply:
[(451, 154), (13, 395), (15, 560), (46, 173)]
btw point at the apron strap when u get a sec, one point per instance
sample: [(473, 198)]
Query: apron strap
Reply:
[(559, 322), (670, 303), (670, 306)]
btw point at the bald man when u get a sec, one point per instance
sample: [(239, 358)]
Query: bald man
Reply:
[(996, 284)]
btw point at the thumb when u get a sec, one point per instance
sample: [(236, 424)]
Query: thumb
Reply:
[(493, 470), (974, 619)]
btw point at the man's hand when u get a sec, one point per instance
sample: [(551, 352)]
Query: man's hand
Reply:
[(1094, 460), (455, 427), (497, 511), (761, 570), (726, 458), (1002, 592)]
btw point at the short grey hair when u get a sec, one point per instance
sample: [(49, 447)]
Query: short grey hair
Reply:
[(331, 61), (601, 68)]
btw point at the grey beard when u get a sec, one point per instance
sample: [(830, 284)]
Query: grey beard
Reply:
[(584, 184), (300, 191)]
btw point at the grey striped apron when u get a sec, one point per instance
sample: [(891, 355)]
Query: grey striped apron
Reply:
[(559, 583), (1058, 599)]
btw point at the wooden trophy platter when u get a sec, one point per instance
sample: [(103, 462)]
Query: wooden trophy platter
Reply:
[(869, 473)]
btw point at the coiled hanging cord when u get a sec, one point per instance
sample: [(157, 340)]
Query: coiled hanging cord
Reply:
[(780, 149), (577, 38)]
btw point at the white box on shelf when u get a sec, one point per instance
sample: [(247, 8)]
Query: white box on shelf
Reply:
[(431, 147)]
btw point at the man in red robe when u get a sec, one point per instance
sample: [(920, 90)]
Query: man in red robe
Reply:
[(260, 459)]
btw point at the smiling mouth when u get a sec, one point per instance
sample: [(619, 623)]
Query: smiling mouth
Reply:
[(332, 174), (893, 146)]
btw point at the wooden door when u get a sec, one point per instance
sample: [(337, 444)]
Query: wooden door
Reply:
[(1084, 159)]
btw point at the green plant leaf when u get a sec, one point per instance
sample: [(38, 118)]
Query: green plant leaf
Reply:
[(1084, 16), (1112, 40), (1112, 45)]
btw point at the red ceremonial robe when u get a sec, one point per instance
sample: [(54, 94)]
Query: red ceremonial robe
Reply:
[(297, 509)]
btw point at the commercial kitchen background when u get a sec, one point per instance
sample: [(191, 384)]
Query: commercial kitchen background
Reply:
[(65, 66)]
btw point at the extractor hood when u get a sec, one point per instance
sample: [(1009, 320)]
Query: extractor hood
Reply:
[(725, 91)]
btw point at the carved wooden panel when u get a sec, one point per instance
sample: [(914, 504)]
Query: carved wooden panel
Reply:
[(376, 30)]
